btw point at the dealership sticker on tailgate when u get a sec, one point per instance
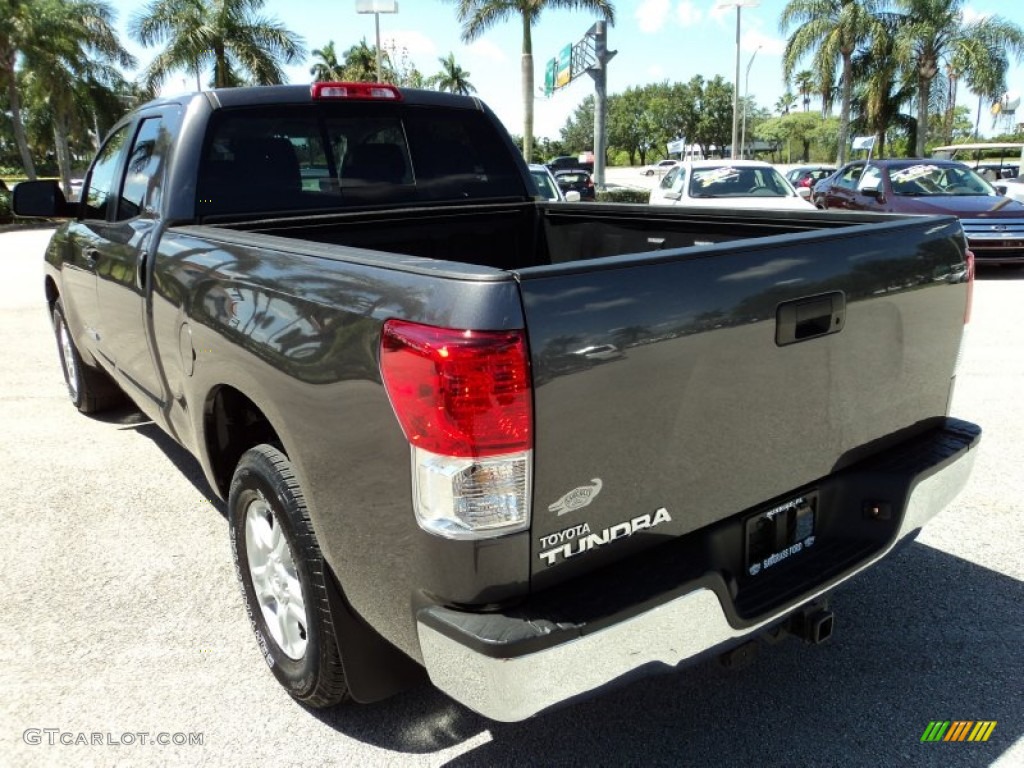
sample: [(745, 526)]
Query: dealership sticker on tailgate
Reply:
[(777, 534)]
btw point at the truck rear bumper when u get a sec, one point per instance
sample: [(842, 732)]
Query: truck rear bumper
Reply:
[(510, 666)]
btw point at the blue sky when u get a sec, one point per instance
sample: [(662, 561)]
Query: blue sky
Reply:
[(655, 40)]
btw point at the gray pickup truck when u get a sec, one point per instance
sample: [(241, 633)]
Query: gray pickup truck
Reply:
[(527, 449)]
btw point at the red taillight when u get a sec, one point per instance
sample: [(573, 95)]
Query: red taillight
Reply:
[(970, 286), (363, 91), (459, 393)]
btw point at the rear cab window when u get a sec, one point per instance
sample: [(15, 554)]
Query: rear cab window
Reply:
[(335, 156)]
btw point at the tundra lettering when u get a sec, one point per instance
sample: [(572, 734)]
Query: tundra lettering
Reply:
[(588, 541)]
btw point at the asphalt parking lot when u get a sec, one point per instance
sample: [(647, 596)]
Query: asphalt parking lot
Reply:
[(123, 619)]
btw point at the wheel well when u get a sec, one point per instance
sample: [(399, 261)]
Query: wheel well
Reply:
[(233, 425), (52, 294)]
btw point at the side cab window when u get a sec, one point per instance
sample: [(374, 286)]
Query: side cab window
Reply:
[(669, 178), (99, 186), (142, 186)]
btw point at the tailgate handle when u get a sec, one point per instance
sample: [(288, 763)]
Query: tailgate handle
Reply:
[(810, 318)]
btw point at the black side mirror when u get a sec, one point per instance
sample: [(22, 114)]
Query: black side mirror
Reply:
[(40, 199)]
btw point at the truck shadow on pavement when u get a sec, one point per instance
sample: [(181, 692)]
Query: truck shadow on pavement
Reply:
[(129, 417), (923, 636)]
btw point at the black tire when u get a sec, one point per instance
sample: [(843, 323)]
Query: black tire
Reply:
[(264, 486), (91, 390)]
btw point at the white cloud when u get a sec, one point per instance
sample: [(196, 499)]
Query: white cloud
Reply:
[(651, 14), (755, 38), (485, 49), (657, 72), (721, 13), (688, 14), (970, 15), (415, 42)]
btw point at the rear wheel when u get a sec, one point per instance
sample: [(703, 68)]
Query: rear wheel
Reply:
[(283, 579), (91, 390)]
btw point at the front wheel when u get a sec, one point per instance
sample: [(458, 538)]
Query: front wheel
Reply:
[(282, 575), (90, 389)]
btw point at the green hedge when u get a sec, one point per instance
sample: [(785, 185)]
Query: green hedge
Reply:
[(623, 195)]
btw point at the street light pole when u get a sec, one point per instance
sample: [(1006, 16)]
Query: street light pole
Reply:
[(377, 7), (738, 5), (746, 91)]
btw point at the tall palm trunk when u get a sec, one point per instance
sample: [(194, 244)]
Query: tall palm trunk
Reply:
[(927, 68), (14, 102), (947, 129), (923, 84), (527, 77), (60, 141), (844, 112), (220, 71)]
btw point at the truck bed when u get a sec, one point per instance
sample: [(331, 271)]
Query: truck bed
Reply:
[(669, 359), (517, 235)]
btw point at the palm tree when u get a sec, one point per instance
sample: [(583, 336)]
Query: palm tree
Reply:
[(361, 63), (15, 35), (785, 103), (228, 35), (328, 68), (881, 87), (452, 78), (986, 76), (478, 16), (66, 47), (804, 81), (935, 32), (830, 31)]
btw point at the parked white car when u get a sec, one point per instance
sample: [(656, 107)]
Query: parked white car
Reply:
[(659, 168), (727, 183), (1012, 188)]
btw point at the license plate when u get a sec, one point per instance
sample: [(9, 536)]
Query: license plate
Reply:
[(776, 534)]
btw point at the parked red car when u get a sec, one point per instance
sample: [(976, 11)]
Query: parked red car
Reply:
[(994, 224), (804, 177)]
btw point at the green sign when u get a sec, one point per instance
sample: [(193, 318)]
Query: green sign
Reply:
[(549, 77), (564, 73)]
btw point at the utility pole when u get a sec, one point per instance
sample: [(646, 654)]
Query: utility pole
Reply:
[(739, 5), (599, 71), (377, 7), (746, 92)]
